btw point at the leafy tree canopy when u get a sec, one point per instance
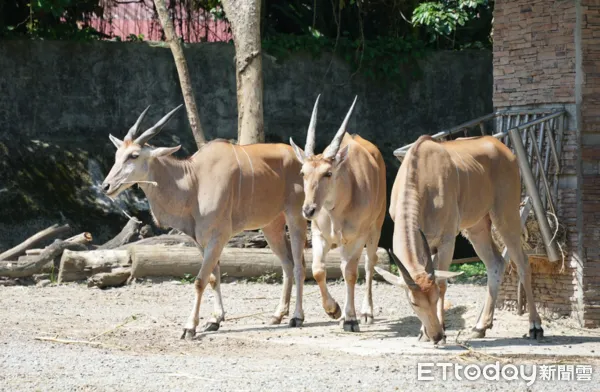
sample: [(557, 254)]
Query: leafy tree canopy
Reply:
[(444, 24)]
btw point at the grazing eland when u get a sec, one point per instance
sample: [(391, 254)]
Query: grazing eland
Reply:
[(441, 189), (219, 191), (345, 200)]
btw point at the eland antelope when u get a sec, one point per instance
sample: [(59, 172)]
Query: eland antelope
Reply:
[(345, 200), (441, 189), (219, 191)]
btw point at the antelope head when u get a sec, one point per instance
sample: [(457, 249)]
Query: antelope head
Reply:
[(133, 155), (320, 172), (421, 288)]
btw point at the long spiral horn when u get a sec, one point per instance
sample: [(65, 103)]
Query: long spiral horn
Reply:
[(309, 149), (134, 128), (333, 148)]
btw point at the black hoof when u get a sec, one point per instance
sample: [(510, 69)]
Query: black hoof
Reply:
[(366, 319), (275, 320), (210, 327), (351, 326), (337, 313), (536, 334), (188, 334), (296, 322)]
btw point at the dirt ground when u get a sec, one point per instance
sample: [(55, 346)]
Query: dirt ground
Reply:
[(135, 332)]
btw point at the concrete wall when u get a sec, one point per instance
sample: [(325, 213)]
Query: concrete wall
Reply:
[(60, 100)]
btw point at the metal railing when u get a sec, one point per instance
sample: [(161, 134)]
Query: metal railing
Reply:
[(535, 137)]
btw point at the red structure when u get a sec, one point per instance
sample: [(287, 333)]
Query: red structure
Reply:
[(122, 19)]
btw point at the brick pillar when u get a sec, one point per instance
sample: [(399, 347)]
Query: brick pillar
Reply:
[(588, 99), (544, 57)]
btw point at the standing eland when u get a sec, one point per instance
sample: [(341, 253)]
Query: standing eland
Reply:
[(441, 189), (219, 191), (345, 200)]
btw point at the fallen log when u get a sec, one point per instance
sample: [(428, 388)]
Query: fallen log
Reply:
[(21, 270), (115, 278), (28, 258), (164, 240), (47, 268), (82, 265), (129, 232), (51, 232), (81, 238), (159, 260)]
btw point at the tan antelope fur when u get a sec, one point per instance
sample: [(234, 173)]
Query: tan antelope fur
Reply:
[(221, 190), (441, 189), (345, 199)]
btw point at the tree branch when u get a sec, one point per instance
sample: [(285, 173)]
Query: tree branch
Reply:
[(182, 71)]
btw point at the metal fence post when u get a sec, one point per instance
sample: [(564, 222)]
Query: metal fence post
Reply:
[(528, 179)]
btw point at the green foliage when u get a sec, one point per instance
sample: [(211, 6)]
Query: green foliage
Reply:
[(470, 269), (474, 273), (444, 18), (53, 274), (363, 30), (49, 19), (188, 278), (269, 278)]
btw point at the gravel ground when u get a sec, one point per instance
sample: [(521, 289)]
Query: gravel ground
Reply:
[(136, 332)]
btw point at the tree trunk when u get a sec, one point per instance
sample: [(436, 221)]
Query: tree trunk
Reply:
[(157, 260), (82, 265), (182, 71), (164, 240), (128, 234), (116, 277), (244, 17)]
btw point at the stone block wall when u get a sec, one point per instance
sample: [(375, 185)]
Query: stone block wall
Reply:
[(534, 52), (553, 288), (60, 100)]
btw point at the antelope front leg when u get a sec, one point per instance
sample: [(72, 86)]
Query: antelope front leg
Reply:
[(298, 241), (211, 257), (350, 256), (320, 247), (444, 260)]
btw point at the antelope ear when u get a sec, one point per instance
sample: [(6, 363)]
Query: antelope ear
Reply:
[(164, 151), (341, 156), (391, 278), (299, 152), (446, 274), (118, 143)]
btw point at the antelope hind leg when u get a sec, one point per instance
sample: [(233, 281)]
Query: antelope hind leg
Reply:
[(218, 316)]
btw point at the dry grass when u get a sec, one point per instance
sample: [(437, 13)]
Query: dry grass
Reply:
[(531, 238)]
